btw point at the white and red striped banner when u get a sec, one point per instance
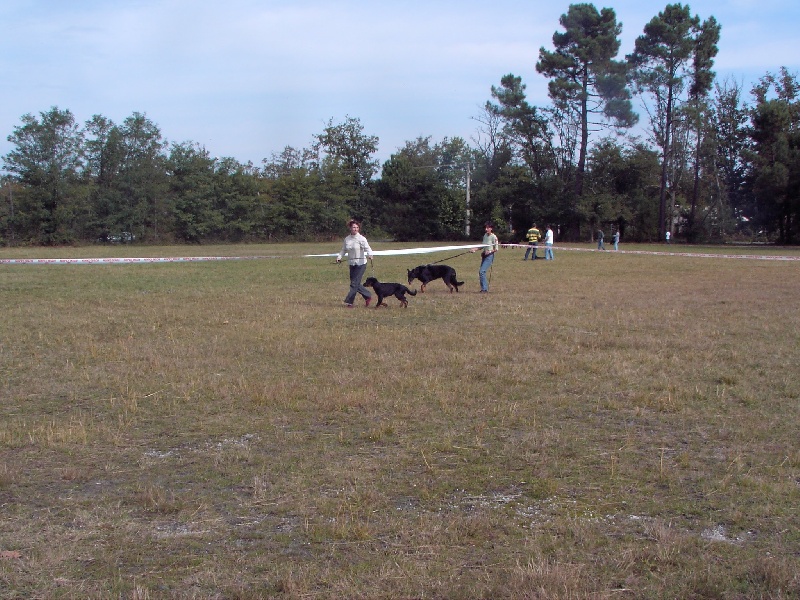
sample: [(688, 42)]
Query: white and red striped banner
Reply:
[(659, 253), (116, 261)]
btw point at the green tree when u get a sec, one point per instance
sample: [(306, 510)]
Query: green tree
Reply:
[(142, 179), (46, 161), (455, 159), (421, 192), (105, 155), (525, 128), (339, 201), (288, 160), (512, 199), (295, 204), (238, 197), (347, 148), (659, 66), (774, 156), (498, 178), (528, 137), (192, 193), (493, 147), (586, 82), (624, 188), (309, 193), (729, 129), (698, 111), (9, 190)]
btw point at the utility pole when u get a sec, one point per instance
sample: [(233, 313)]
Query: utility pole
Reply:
[(466, 215)]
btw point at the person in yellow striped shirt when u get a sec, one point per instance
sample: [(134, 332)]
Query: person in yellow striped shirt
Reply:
[(533, 236)]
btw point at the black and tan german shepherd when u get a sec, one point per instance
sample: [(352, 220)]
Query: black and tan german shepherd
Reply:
[(427, 273), (384, 290)]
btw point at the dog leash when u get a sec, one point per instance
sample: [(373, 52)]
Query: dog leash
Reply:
[(450, 258)]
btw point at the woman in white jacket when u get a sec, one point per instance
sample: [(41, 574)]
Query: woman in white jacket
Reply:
[(358, 251)]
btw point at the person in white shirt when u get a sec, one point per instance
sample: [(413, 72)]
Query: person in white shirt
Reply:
[(548, 244), (358, 251), (490, 245)]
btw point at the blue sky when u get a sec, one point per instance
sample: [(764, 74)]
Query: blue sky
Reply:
[(245, 78)]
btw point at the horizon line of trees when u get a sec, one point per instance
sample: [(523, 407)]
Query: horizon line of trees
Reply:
[(710, 166)]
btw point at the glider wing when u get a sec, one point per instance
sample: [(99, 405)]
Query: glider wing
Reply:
[(408, 251)]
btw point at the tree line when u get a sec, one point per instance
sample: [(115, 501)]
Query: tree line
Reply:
[(703, 160)]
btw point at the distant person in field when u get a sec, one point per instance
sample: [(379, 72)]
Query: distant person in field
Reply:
[(616, 239), (669, 235), (600, 236), (533, 236), (490, 245), (548, 244), (358, 251)]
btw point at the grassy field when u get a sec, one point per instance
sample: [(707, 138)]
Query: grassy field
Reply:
[(601, 426)]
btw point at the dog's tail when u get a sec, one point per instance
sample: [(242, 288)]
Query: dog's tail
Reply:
[(412, 292), (454, 281)]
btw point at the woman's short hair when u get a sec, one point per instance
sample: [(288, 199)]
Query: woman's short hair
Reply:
[(351, 222)]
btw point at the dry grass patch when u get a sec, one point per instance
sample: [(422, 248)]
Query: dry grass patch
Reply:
[(602, 426)]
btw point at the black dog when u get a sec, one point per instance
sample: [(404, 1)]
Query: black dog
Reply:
[(384, 290), (427, 273)]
